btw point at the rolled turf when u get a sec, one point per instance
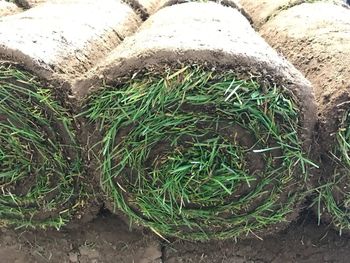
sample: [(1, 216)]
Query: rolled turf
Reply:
[(39, 158), (319, 45), (200, 127), (42, 50)]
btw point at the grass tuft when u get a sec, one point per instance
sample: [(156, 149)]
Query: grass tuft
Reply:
[(334, 193)]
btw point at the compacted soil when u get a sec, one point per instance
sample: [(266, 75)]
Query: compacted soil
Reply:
[(108, 239)]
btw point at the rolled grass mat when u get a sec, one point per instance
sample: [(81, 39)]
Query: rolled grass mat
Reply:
[(40, 162), (65, 38), (318, 43), (200, 133), (41, 51), (8, 8)]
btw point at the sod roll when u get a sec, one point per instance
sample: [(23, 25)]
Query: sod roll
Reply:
[(318, 43), (41, 50), (200, 127)]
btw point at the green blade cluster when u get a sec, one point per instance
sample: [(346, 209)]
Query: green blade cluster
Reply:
[(39, 160), (334, 192), (199, 154)]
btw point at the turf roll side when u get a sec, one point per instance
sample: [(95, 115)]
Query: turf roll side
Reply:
[(318, 44), (42, 51), (200, 128)]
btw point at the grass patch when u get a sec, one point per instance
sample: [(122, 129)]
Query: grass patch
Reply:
[(334, 194), (39, 160), (199, 154)]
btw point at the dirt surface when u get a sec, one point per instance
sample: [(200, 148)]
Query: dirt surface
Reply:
[(108, 239)]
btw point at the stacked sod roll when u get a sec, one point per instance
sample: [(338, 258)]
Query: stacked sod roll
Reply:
[(318, 43), (200, 128), (41, 51)]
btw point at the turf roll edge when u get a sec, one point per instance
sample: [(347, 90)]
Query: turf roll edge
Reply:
[(200, 128), (318, 44), (42, 51)]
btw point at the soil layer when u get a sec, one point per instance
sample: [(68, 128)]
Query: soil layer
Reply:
[(108, 240)]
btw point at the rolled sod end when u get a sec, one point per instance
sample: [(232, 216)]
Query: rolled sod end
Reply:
[(40, 162), (42, 175), (200, 154), (201, 129), (333, 195), (318, 44)]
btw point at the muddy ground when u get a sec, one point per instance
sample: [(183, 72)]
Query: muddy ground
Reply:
[(108, 239)]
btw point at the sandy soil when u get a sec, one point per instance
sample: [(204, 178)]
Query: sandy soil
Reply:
[(108, 239)]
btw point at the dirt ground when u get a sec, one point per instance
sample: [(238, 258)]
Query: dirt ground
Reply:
[(108, 239)]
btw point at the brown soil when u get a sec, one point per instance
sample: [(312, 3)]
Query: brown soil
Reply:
[(108, 239)]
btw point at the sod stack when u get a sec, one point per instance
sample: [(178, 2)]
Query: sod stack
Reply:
[(8, 8), (41, 51), (318, 43), (201, 128)]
